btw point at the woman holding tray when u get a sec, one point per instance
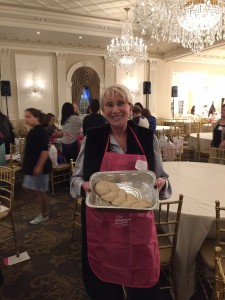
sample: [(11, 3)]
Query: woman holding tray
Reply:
[(119, 247)]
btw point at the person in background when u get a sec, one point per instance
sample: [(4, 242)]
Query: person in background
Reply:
[(118, 145), (2, 150), (218, 140), (76, 109), (94, 119), (151, 119), (71, 126), (52, 131), (36, 164), (193, 110), (51, 121), (88, 111), (138, 118), (6, 129), (212, 110), (139, 104)]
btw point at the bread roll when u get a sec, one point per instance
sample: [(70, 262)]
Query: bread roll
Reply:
[(113, 187), (110, 197), (141, 204), (118, 201), (129, 203), (102, 188), (131, 197), (122, 193)]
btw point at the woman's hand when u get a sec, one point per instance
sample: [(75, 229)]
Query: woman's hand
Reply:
[(159, 183), (37, 170), (86, 187)]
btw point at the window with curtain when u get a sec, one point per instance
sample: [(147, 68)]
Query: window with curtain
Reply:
[(88, 79), (84, 100)]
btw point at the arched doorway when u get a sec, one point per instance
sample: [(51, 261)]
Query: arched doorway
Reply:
[(85, 86), (70, 83)]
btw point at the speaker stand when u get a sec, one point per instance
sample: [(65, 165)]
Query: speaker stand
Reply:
[(173, 108), (147, 101), (7, 111)]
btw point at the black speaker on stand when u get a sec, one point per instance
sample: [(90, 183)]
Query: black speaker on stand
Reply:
[(147, 91), (174, 93), (6, 92)]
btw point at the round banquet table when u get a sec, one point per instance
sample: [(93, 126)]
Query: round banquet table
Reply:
[(205, 140), (161, 128), (201, 184)]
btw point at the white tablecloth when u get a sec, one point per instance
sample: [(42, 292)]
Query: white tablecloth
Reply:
[(161, 128), (205, 140), (201, 184)]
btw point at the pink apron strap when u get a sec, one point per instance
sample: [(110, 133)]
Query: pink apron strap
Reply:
[(135, 136)]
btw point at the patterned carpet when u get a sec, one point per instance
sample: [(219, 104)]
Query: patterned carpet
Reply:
[(54, 270)]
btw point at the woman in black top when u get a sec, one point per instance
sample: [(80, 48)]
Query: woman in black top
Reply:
[(94, 119), (218, 140)]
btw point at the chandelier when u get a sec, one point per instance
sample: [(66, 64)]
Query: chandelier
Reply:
[(199, 15), (127, 51), (195, 24)]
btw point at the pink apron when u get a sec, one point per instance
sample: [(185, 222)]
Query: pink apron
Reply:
[(123, 245)]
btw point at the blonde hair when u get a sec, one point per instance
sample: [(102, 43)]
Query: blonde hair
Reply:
[(116, 90)]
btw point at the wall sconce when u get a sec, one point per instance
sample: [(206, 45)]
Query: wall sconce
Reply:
[(34, 85)]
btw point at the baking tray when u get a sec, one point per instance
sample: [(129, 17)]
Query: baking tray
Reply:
[(139, 183)]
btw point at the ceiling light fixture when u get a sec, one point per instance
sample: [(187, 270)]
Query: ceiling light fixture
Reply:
[(127, 51), (195, 24)]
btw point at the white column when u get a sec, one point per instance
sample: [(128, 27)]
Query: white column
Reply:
[(62, 85), (6, 75), (152, 78), (110, 75)]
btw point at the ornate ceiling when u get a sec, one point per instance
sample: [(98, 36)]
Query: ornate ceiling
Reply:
[(62, 22)]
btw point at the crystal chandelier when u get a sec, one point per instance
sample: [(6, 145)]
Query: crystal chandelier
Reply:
[(199, 15), (127, 51), (202, 23), (195, 24)]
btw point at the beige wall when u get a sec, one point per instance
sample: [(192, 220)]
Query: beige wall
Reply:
[(161, 79)]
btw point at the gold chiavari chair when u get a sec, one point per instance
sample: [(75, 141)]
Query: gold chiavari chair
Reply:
[(206, 259), (202, 154), (61, 173), (216, 156), (16, 159), (167, 225), (7, 185), (219, 280)]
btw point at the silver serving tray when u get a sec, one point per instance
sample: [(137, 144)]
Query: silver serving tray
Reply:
[(139, 183)]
